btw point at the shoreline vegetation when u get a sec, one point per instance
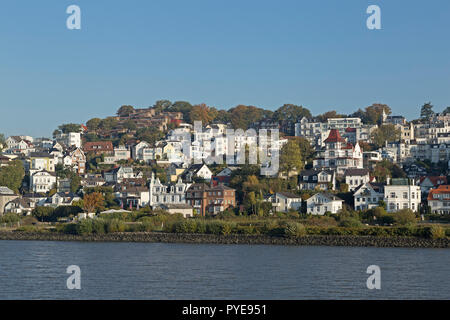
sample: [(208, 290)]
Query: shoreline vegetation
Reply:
[(190, 238), (279, 230)]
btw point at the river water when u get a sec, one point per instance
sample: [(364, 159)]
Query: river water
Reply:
[(37, 270)]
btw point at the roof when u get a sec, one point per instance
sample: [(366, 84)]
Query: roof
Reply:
[(356, 172), (330, 196), (435, 180), (6, 191), (98, 145), (176, 206), (442, 189), (334, 136), (289, 195)]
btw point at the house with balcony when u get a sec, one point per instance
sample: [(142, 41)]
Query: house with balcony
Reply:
[(322, 202)]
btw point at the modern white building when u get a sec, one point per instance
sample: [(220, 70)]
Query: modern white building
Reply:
[(368, 196)]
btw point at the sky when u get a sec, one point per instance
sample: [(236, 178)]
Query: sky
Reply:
[(318, 54)]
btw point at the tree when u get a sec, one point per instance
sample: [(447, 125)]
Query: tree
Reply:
[(93, 124), (70, 127), (108, 123), (130, 125), (243, 116), (327, 115), (125, 111), (182, 106), (43, 213), (385, 133), (2, 141), (306, 150), (290, 158), (291, 112), (92, 201), (162, 105), (426, 112), (12, 175), (201, 112), (150, 135)]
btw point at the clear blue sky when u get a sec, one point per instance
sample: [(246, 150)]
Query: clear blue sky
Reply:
[(318, 54)]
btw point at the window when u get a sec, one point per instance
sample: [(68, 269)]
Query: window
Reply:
[(405, 195)]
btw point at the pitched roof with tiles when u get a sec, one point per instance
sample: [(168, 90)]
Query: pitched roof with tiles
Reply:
[(334, 136)]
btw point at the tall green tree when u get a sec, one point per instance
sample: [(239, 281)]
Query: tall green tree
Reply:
[(291, 158), (291, 112), (125, 110), (426, 112), (385, 133), (12, 175)]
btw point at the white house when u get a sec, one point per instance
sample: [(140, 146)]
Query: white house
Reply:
[(356, 177), (285, 201), (368, 196), (317, 178), (174, 193), (439, 199), (42, 181), (320, 203), (401, 194)]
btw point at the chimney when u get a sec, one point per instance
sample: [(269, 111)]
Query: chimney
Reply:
[(388, 181)]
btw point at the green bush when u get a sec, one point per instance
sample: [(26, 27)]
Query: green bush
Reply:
[(350, 223), (405, 217), (294, 229), (114, 225), (434, 232), (84, 227)]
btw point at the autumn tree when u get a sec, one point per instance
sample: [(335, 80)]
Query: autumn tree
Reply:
[(92, 201), (243, 116), (201, 112)]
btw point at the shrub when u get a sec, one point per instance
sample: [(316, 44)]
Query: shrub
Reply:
[(434, 232), (84, 227), (405, 217), (350, 223), (114, 225), (294, 229)]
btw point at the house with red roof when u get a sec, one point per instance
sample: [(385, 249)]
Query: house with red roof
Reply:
[(338, 154), (439, 199)]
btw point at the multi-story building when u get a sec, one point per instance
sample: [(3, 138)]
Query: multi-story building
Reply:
[(321, 179), (321, 203), (285, 201), (338, 154), (368, 196), (402, 194), (210, 200), (356, 177), (173, 193), (439, 199), (42, 181)]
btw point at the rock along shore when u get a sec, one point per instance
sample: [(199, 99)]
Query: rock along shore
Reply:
[(348, 241)]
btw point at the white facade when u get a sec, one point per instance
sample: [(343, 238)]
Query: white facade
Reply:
[(285, 201), (402, 196), (320, 203), (42, 181)]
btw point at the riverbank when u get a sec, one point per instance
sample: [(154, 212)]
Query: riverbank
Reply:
[(309, 240)]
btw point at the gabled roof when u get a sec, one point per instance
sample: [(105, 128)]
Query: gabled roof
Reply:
[(289, 195), (356, 172), (435, 180), (442, 189), (334, 136)]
